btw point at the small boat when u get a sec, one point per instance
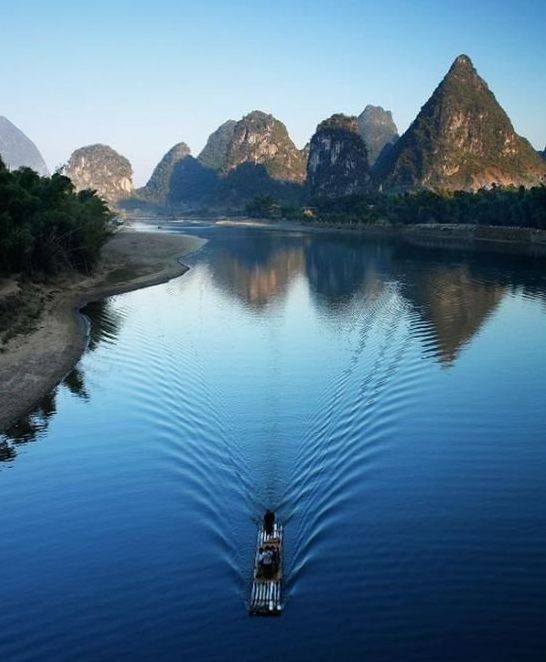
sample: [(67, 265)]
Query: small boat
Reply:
[(265, 594)]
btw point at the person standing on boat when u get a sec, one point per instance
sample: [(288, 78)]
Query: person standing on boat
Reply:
[(269, 522)]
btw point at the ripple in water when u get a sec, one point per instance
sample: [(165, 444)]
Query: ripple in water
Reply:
[(368, 390)]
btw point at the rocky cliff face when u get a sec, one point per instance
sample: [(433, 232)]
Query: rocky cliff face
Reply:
[(378, 131), (305, 150), (261, 139), (543, 154), (17, 150), (192, 183), (158, 186), (214, 153), (102, 169), (338, 160), (461, 139)]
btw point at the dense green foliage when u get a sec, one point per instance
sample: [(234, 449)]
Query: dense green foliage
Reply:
[(46, 227), (519, 207), (265, 206)]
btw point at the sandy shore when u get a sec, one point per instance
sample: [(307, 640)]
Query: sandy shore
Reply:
[(33, 363)]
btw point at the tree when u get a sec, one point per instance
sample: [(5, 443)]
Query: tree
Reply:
[(46, 227)]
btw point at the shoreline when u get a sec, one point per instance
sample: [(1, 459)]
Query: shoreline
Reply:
[(450, 234), (34, 363), (37, 360), (465, 233)]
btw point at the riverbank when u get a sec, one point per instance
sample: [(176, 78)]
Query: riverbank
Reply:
[(47, 335), (450, 233)]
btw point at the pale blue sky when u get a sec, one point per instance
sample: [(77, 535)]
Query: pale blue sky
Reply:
[(142, 76)]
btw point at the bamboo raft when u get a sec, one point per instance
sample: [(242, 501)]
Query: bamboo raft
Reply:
[(265, 594)]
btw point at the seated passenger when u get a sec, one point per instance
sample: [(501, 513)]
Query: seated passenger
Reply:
[(265, 561), (274, 558)]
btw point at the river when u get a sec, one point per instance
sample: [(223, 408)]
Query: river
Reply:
[(387, 399)]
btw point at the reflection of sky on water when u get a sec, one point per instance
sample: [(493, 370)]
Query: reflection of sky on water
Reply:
[(387, 400)]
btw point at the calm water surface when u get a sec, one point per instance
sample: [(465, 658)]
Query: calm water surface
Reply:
[(388, 400)]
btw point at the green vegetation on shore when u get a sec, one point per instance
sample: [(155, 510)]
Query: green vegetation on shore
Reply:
[(46, 227), (509, 207)]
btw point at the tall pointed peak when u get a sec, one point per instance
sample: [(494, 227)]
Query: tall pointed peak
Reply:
[(463, 69), (462, 62), (462, 138)]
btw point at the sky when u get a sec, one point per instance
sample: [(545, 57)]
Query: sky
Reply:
[(142, 75)]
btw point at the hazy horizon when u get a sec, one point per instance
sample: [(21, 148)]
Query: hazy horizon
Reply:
[(142, 78)]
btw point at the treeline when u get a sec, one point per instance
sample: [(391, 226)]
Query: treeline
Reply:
[(46, 227), (519, 207)]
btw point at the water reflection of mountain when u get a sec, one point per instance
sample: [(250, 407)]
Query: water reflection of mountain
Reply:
[(258, 284), (338, 268), (454, 304), (454, 291), (105, 326), (257, 268)]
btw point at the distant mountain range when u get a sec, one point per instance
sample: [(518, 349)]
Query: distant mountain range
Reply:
[(17, 150), (461, 140)]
